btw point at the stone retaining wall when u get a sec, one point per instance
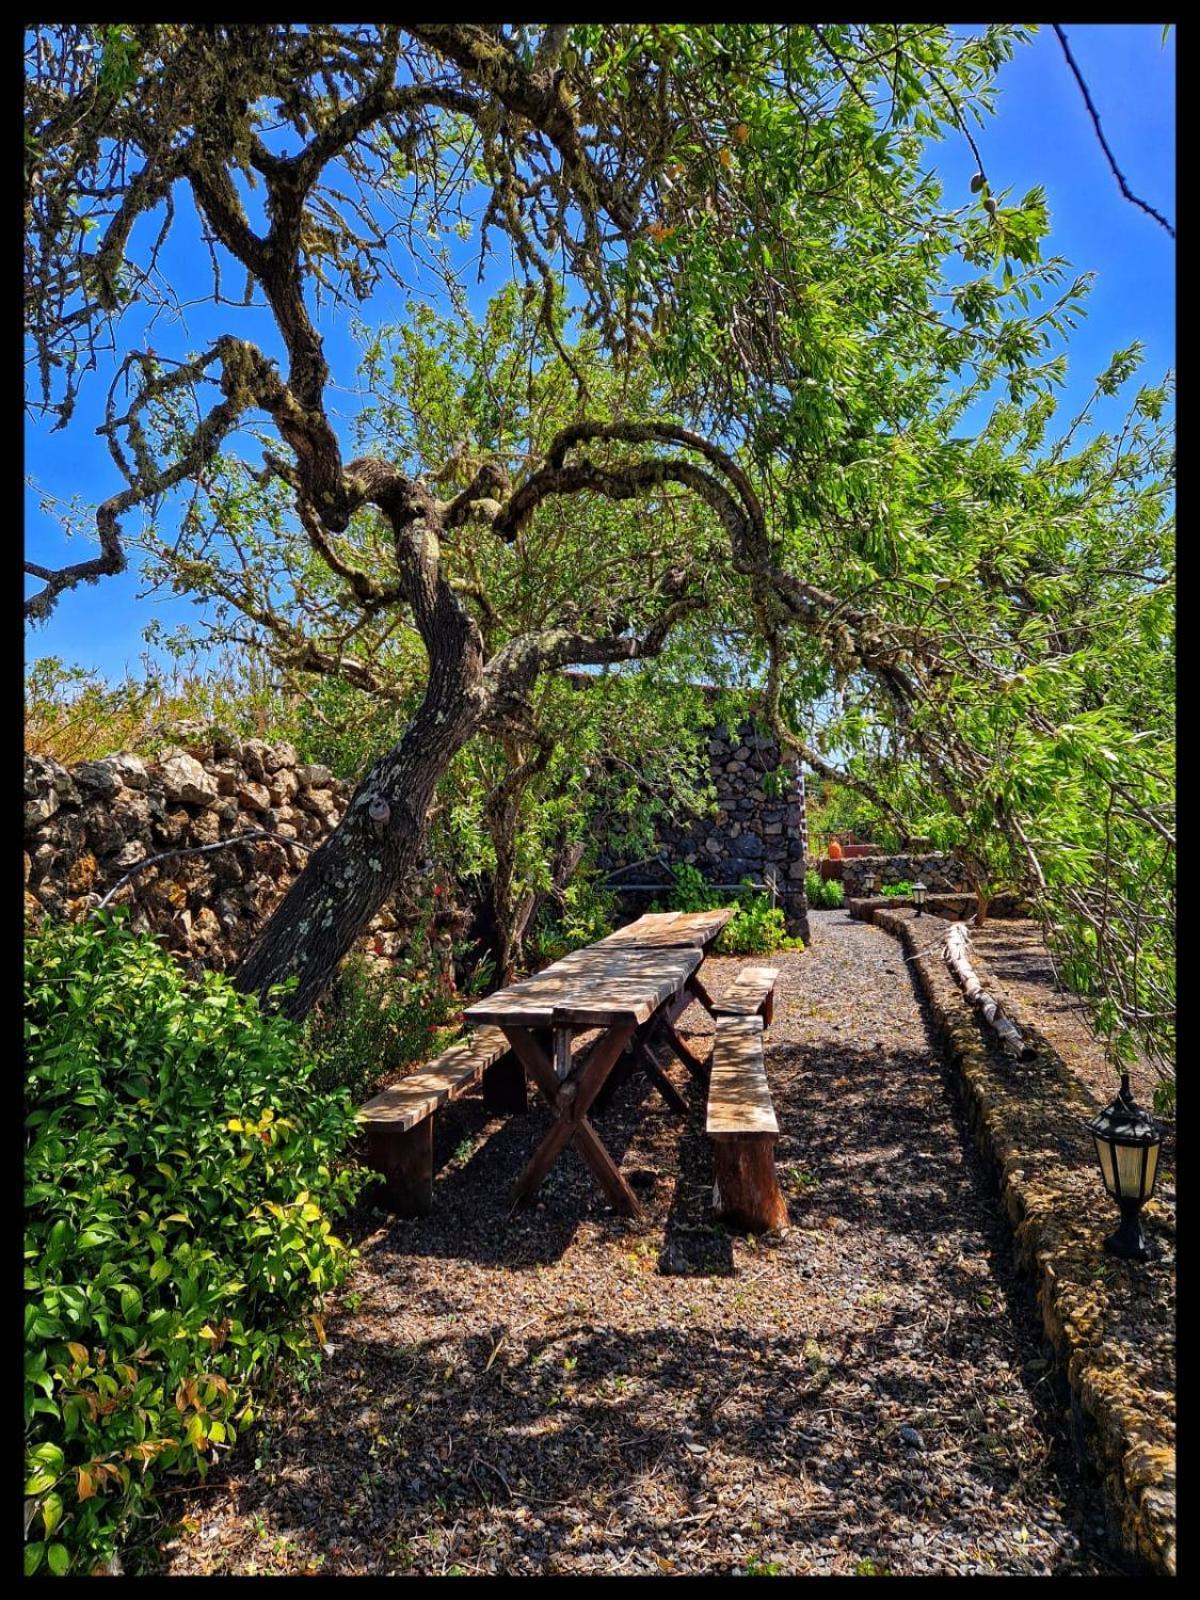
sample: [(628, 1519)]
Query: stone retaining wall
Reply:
[(1111, 1322), (87, 827), (956, 907), (941, 874)]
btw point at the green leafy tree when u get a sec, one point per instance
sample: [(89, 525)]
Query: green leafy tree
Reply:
[(774, 323)]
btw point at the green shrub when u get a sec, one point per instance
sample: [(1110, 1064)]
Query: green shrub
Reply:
[(375, 1021), (893, 889), (181, 1173), (822, 895)]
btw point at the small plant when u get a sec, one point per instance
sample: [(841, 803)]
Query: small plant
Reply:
[(756, 927), (376, 1021), (893, 889), (756, 1567), (822, 895), (868, 1568)]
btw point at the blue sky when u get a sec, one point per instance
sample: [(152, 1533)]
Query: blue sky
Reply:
[(1041, 134)]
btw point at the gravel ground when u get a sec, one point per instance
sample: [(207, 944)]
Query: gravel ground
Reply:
[(557, 1390)]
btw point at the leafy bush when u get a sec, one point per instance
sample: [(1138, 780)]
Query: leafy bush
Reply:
[(586, 912), (893, 889), (755, 929), (181, 1173), (822, 895), (375, 1021), (74, 714)]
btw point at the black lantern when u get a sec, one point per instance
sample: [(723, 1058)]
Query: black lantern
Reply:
[(1127, 1145), (919, 892)]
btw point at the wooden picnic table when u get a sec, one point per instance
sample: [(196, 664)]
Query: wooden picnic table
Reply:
[(621, 987)]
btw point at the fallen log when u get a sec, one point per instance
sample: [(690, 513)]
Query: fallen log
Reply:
[(956, 951)]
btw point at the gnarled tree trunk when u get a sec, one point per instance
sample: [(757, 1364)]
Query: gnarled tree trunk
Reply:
[(380, 838)]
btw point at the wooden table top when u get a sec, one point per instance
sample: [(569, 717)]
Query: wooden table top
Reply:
[(597, 987), (664, 930)]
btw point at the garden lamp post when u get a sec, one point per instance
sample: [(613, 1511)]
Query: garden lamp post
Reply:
[(1127, 1146), (919, 892)]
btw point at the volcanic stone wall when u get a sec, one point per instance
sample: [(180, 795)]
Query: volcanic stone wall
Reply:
[(941, 874), (87, 827), (759, 829)]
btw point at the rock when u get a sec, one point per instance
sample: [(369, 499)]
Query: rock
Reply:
[(283, 786), (104, 832), (228, 777), (279, 756), (184, 779), (314, 777), (225, 743), (130, 769), (206, 926), (82, 874), (40, 809), (133, 852), (911, 1437), (254, 752), (254, 796), (99, 778), (131, 813), (206, 828)]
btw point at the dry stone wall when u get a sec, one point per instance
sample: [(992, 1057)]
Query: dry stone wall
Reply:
[(87, 827), (941, 874), (761, 826)]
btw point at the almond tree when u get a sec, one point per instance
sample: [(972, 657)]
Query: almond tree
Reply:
[(744, 208)]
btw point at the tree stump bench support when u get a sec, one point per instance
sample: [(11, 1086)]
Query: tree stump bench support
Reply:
[(399, 1121), (751, 994), (743, 1129)]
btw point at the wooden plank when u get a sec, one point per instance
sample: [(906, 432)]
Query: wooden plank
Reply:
[(746, 1192), (739, 1101), (405, 1158), (748, 993), (570, 1101), (592, 988), (659, 1078), (404, 1104), (660, 930)]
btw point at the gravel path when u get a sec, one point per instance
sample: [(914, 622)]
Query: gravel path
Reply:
[(556, 1390)]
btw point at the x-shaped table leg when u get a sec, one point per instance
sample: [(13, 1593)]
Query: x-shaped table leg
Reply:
[(570, 1102)]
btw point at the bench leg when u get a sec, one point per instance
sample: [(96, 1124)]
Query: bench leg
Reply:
[(405, 1159), (504, 1088), (746, 1191)]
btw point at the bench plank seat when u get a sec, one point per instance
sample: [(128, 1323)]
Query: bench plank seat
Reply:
[(743, 1128), (399, 1120), (752, 993), (404, 1104), (739, 1101)]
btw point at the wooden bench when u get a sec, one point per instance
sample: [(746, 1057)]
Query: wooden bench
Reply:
[(742, 1127), (751, 994), (399, 1121)]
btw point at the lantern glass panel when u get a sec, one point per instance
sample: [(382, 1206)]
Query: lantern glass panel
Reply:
[(1151, 1171), (1105, 1154), (1130, 1160)]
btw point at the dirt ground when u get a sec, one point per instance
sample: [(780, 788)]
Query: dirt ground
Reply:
[(1013, 950), (556, 1390)]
